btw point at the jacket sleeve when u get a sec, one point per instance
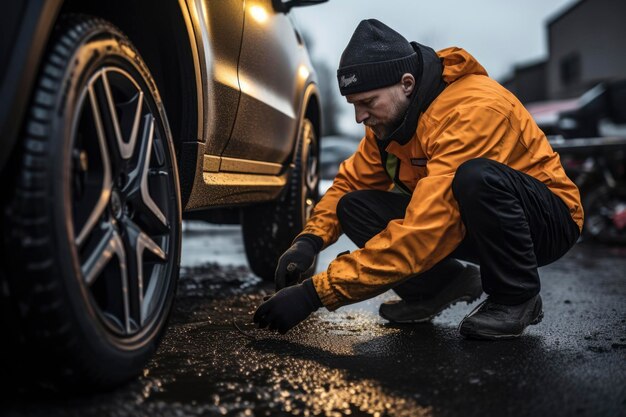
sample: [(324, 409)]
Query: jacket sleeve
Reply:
[(432, 227), (363, 170)]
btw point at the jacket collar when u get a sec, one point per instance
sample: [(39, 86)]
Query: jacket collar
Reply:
[(429, 85)]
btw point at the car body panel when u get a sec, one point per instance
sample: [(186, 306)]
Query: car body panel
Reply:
[(223, 189), (271, 94), (218, 27)]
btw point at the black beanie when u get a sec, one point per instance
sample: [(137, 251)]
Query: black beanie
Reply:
[(376, 57)]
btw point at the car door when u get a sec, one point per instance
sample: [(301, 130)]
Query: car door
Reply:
[(272, 53), (218, 30)]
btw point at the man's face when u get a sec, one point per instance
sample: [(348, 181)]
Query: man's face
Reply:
[(382, 109)]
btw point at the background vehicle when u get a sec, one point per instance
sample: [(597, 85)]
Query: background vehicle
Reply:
[(334, 150), (115, 119), (591, 139), (596, 165)]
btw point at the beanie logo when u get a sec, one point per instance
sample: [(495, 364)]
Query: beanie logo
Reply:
[(347, 81)]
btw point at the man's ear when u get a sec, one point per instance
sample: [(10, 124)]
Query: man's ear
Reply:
[(408, 84)]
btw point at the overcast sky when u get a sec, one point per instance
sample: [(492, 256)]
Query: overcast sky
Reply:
[(499, 33)]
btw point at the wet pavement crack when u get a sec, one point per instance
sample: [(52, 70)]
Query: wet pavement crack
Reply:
[(248, 335)]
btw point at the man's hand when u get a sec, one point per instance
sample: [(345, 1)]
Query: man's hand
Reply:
[(296, 260), (288, 307)]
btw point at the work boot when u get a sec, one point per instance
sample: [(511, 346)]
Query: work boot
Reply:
[(492, 321), (466, 286)]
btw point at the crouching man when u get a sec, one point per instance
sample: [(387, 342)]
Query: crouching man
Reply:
[(452, 167)]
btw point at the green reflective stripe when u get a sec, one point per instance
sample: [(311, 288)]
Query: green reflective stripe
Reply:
[(391, 166)]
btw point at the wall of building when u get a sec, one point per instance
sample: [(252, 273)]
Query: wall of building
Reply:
[(587, 44), (528, 82)]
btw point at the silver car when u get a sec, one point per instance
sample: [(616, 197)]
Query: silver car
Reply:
[(119, 118)]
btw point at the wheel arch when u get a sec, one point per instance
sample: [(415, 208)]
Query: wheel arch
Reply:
[(314, 113), (311, 110), (162, 32)]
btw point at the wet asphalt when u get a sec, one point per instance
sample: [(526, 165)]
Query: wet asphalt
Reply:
[(351, 362)]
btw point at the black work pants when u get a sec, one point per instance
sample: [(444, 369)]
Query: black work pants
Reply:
[(513, 223)]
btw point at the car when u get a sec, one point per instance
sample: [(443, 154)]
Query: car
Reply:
[(589, 133), (118, 119), (600, 111)]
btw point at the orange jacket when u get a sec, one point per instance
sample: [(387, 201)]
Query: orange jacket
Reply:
[(473, 117)]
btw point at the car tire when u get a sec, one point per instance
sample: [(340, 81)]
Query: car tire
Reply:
[(93, 226), (269, 229)]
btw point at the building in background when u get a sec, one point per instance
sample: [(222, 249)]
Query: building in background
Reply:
[(528, 82), (586, 45)]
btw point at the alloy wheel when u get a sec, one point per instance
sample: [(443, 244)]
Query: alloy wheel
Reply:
[(123, 215)]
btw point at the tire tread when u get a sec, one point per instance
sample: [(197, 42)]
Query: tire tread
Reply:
[(34, 267)]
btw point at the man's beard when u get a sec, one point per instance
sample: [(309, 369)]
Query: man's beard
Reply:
[(383, 130)]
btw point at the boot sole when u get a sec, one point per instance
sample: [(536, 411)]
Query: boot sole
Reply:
[(472, 334), (466, 298)]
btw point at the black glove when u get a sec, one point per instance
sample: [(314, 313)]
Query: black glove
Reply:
[(288, 307), (297, 260)]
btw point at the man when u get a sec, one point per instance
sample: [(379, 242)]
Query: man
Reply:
[(451, 167)]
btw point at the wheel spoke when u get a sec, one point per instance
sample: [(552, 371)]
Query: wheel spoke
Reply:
[(126, 148), (137, 189), (108, 246), (122, 202), (147, 300), (140, 242), (107, 181), (145, 193)]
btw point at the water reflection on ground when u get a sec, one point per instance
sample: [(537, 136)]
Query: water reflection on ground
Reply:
[(352, 363)]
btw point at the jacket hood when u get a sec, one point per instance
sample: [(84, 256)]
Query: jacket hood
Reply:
[(437, 70), (457, 62)]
